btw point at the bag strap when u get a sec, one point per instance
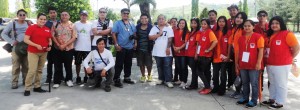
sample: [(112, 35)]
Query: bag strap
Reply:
[(102, 58), (14, 29)]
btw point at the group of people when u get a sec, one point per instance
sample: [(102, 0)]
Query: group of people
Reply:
[(236, 47)]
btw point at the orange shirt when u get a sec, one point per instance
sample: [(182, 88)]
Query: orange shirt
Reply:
[(217, 50), (205, 44), (234, 38)]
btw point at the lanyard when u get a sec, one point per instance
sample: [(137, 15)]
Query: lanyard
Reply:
[(247, 42), (127, 29)]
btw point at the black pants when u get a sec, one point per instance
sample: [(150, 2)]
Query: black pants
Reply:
[(231, 73), (50, 59), (63, 58), (109, 77), (123, 60), (219, 73), (181, 66), (192, 64), (203, 70)]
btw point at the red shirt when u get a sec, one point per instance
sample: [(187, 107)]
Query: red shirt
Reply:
[(230, 24), (204, 41), (38, 35), (179, 41), (191, 44)]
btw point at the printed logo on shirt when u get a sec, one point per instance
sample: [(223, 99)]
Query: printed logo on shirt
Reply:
[(98, 61), (203, 38), (47, 30), (278, 42), (252, 45), (192, 38), (225, 40), (82, 31)]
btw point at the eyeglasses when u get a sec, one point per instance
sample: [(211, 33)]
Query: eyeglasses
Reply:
[(262, 15), (22, 14), (126, 13), (102, 12)]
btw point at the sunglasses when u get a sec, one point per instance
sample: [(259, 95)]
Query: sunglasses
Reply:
[(262, 15), (102, 12), (22, 14)]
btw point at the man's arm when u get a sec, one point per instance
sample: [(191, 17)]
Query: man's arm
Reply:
[(5, 34)]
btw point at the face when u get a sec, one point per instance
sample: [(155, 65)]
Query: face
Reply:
[(275, 26), (181, 24), (42, 20), (101, 45), (212, 16), (52, 14), (204, 25), (22, 15), (248, 27), (102, 13), (173, 23), (233, 12), (83, 17), (144, 19), (221, 23), (262, 17), (65, 16), (194, 24), (239, 19), (161, 20), (125, 15)]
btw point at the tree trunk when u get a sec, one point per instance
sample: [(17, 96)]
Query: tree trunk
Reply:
[(145, 9)]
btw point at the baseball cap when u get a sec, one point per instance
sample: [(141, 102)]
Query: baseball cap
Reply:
[(83, 12)]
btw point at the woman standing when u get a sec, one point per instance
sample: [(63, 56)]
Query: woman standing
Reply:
[(206, 42), (282, 48), (179, 51), (38, 38), (249, 62)]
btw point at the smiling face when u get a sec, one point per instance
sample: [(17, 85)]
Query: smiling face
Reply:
[(204, 25), (275, 26), (83, 17), (101, 45), (52, 14), (102, 13), (194, 24), (161, 20), (144, 19), (22, 15), (262, 17), (221, 23), (125, 15), (65, 16), (41, 21), (212, 16), (233, 12), (181, 24), (239, 20), (248, 27)]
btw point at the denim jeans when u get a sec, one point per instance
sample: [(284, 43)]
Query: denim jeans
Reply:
[(181, 66), (250, 77), (164, 68), (123, 60)]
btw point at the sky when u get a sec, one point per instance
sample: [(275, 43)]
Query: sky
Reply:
[(120, 4)]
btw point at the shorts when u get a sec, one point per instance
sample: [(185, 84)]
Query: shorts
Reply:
[(80, 56), (144, 59)]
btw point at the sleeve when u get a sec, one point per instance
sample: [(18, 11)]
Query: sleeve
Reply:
[(5, 33), (111, 24), (87, 59), (74, 34), (111, 61), (198, 36), (212, 37), (152, 31), (29, 31), (115, 28), (230, 39), (291, 39), (261, 42), (170, 33), (134, 28), (94, 24)]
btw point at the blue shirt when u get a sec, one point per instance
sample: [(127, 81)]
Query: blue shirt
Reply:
[(49, 24), (123, 32)]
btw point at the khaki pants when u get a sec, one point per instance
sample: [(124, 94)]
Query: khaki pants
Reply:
[(36, 65), (17, 63)]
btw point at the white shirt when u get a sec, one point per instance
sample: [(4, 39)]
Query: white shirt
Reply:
[(84, 32), (160, 46), (99, 28), (98, 63)]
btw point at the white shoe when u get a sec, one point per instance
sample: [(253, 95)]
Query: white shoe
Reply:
[(55, 85), (159, 82), (182, 84), (70, 83), (169, 84)]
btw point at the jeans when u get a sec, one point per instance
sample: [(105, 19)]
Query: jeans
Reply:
[(219, 73), (181, 66), (164, 68), (203, 70), (250, 77), (192, 64), (109, 77), (123, 59), (66, 58)]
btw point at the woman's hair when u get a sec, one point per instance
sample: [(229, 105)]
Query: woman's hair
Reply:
[(244, 17), (224, 31), (99, 40), (185, 29), (41, 14), (198, 24), (207, 22), (251, 22), (281, 23)]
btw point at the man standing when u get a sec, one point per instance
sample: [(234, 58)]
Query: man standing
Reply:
[(233, 10), (64, 36), (213, 19), (123, 35), (82, 43), (19, 62)]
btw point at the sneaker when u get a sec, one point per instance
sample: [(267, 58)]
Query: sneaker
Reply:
[(118, 83), (235, 95), (250, 104), (169, 84), (149, 78), (177, 82), (47, 81), (275, 106), (70, 83), (85, 79), (128, 81), (78, 80), (201, 90), (205, 91), (39, 89), (56, 86), (143, 79), (27, 93), (268, 102), (14, 86), (107, 88), (182, 85), (191, 87), (159, 82), (242, 101)]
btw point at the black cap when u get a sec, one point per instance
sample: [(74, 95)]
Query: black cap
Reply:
[(83, 12), (233, 6), (125, 9)]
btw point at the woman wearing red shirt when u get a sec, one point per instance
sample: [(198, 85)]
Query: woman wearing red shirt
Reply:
[(38, 38)]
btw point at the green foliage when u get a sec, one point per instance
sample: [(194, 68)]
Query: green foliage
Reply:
[(112, 16), (204, 13), (245, 7), (240, 5), (26, 7), (145, 6), (71, 6), (4, 6), (195, 8)]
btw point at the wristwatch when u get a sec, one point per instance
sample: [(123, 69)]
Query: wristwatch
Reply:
[(116, 45)]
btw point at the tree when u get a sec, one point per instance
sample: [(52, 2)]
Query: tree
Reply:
[(71, 6), (112, 16), (245, 7), (204, 13), (4, 6), (294, 11), (27, 7), (240, 6), (145, 6), (195, 9), (127, 2)]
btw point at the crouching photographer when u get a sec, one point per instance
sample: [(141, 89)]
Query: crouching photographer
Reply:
[(103, 65)]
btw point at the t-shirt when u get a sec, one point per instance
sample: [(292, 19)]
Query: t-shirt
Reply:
[(160, 45), (99, 26), (65, 34), (291, 39), (143, 40), (98, 63), (123, 32), (40, 36), (20, 31), (84, 32)]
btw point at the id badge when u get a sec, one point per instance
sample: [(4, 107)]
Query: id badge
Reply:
[(198, 49), (187, 46), (245, 57), (267, 52)]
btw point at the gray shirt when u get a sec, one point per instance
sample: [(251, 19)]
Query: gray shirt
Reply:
[(20, 30)]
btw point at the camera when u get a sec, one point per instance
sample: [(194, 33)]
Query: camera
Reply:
[(131, 37)]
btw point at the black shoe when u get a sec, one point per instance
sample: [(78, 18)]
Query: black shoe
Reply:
[(85, 79), (128, 81), (118, 83), (221, 93), (214, 90), (107, 88), (191, 88), (275, 106), (78, 80), (242, 101), (268, 102), (27, 93), (40, 90)]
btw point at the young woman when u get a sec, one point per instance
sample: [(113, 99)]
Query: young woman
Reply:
[(206, 42), (191, 45), (237, 32), (179, 51), (220, 58), (249, 62), (38, 38), (282, 48)]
